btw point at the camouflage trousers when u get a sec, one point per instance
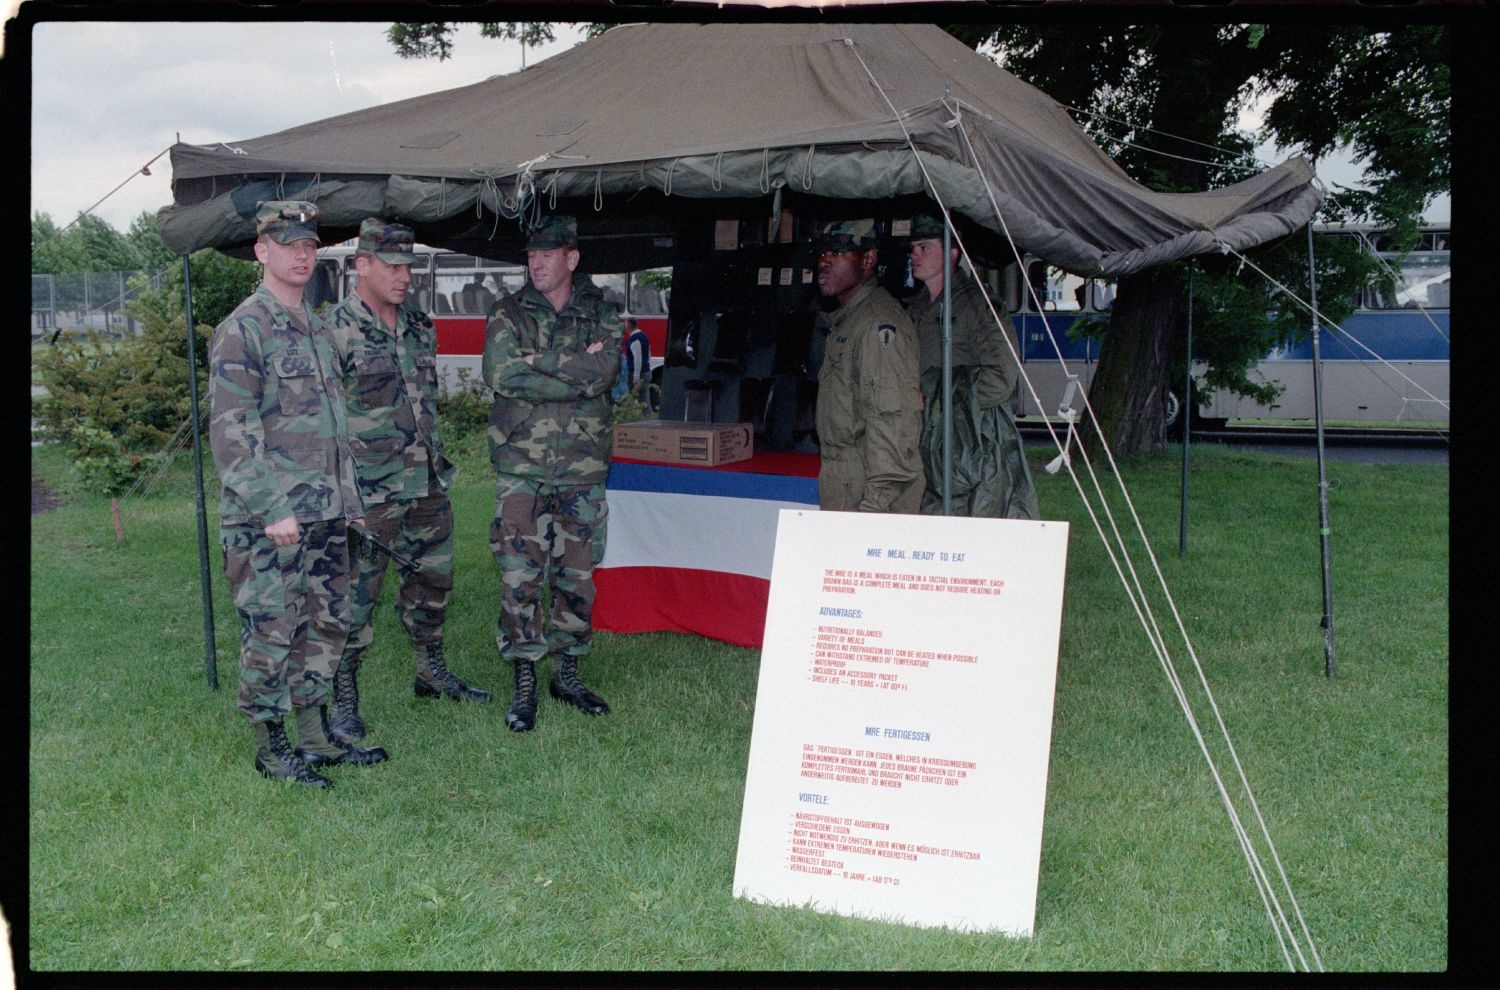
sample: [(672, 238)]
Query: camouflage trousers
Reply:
[(421, 529), (293, 604), (546, 541)]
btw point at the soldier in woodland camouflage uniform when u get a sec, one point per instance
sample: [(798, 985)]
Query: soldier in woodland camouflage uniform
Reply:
[(280, 441), (387, 351), (551, 355), (869, 411)]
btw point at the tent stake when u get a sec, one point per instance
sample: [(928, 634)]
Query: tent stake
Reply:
[(1329, 664), (209, 652)]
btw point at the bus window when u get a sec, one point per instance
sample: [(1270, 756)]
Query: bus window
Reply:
[(421, 286), (1101, 294), (467, 285), (646, 297), (1423, 280), (1059, 291), (613, 288), (512, 280), (322, 288)]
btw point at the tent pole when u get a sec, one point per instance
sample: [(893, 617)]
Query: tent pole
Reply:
[(209, 652), (1187, 421), (1329, 664), (948, 273)]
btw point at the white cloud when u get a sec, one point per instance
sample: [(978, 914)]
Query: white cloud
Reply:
[(109, 97)]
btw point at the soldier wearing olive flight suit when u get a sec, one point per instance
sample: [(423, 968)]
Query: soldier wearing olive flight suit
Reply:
[(551, 355), (387, 351), (869, 410), (985, 374), (280, 442)]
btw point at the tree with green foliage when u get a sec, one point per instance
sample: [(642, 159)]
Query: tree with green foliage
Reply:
[(1162, 98), (90, 245), (104, 245), (146, 241), (53, 252), (434, 39)]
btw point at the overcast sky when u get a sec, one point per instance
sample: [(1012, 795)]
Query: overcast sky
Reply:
[(109, 97)]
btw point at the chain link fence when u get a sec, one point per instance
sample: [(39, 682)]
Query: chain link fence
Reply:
[(74, 304)]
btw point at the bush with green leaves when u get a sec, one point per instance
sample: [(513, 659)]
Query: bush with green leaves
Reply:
[(463, 405), (111, 403), (101, 461)]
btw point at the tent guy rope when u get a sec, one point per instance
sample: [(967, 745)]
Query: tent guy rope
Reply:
[(1288, 938)]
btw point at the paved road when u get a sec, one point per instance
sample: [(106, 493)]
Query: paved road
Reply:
[(1362, 449), (1363, 454)]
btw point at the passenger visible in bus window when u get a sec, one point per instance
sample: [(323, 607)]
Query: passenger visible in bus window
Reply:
[(422, 290), (477, 297)]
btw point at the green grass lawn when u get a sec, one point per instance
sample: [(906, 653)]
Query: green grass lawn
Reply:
[(609, 844)]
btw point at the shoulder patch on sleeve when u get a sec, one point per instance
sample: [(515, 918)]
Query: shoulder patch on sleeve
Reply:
[(887, 333)]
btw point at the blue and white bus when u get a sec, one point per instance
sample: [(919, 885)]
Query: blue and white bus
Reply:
[(1388, 362)]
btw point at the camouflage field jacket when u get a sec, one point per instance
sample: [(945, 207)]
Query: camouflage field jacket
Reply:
[(390, 382), (550, 421), (277, 418)]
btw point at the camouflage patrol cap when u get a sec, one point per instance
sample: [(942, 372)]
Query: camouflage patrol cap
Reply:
[(392, 243), (286, 220), (847, 235), (925, 225), (554, 232)]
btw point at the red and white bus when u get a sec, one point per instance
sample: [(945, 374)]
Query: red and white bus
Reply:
[(456, 290)]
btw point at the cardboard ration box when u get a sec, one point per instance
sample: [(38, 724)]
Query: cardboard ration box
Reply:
[(700, 444)]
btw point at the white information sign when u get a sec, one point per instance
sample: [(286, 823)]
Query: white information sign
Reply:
[(903, 719)]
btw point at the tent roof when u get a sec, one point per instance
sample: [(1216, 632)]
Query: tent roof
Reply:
[(666, 112)]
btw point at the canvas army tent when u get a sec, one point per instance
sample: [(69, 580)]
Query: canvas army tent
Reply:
[(626, 128)]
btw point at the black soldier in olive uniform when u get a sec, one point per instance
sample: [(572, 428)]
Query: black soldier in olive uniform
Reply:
[(869, 411)]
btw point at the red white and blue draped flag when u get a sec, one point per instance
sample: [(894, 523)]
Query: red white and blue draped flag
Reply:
[(689, 549)]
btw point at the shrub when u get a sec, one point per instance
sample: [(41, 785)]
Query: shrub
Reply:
[(463, 406), (111, 402)]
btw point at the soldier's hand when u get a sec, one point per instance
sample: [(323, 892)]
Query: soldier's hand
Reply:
[(284, 532)]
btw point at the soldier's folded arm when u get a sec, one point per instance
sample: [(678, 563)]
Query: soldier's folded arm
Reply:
[(587, 374), (507, 373)]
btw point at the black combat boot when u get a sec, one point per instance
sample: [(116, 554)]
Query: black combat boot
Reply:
[(317, 750), (522, 714), (346, 726), (435, 681), (274, 757), (567, 688)]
